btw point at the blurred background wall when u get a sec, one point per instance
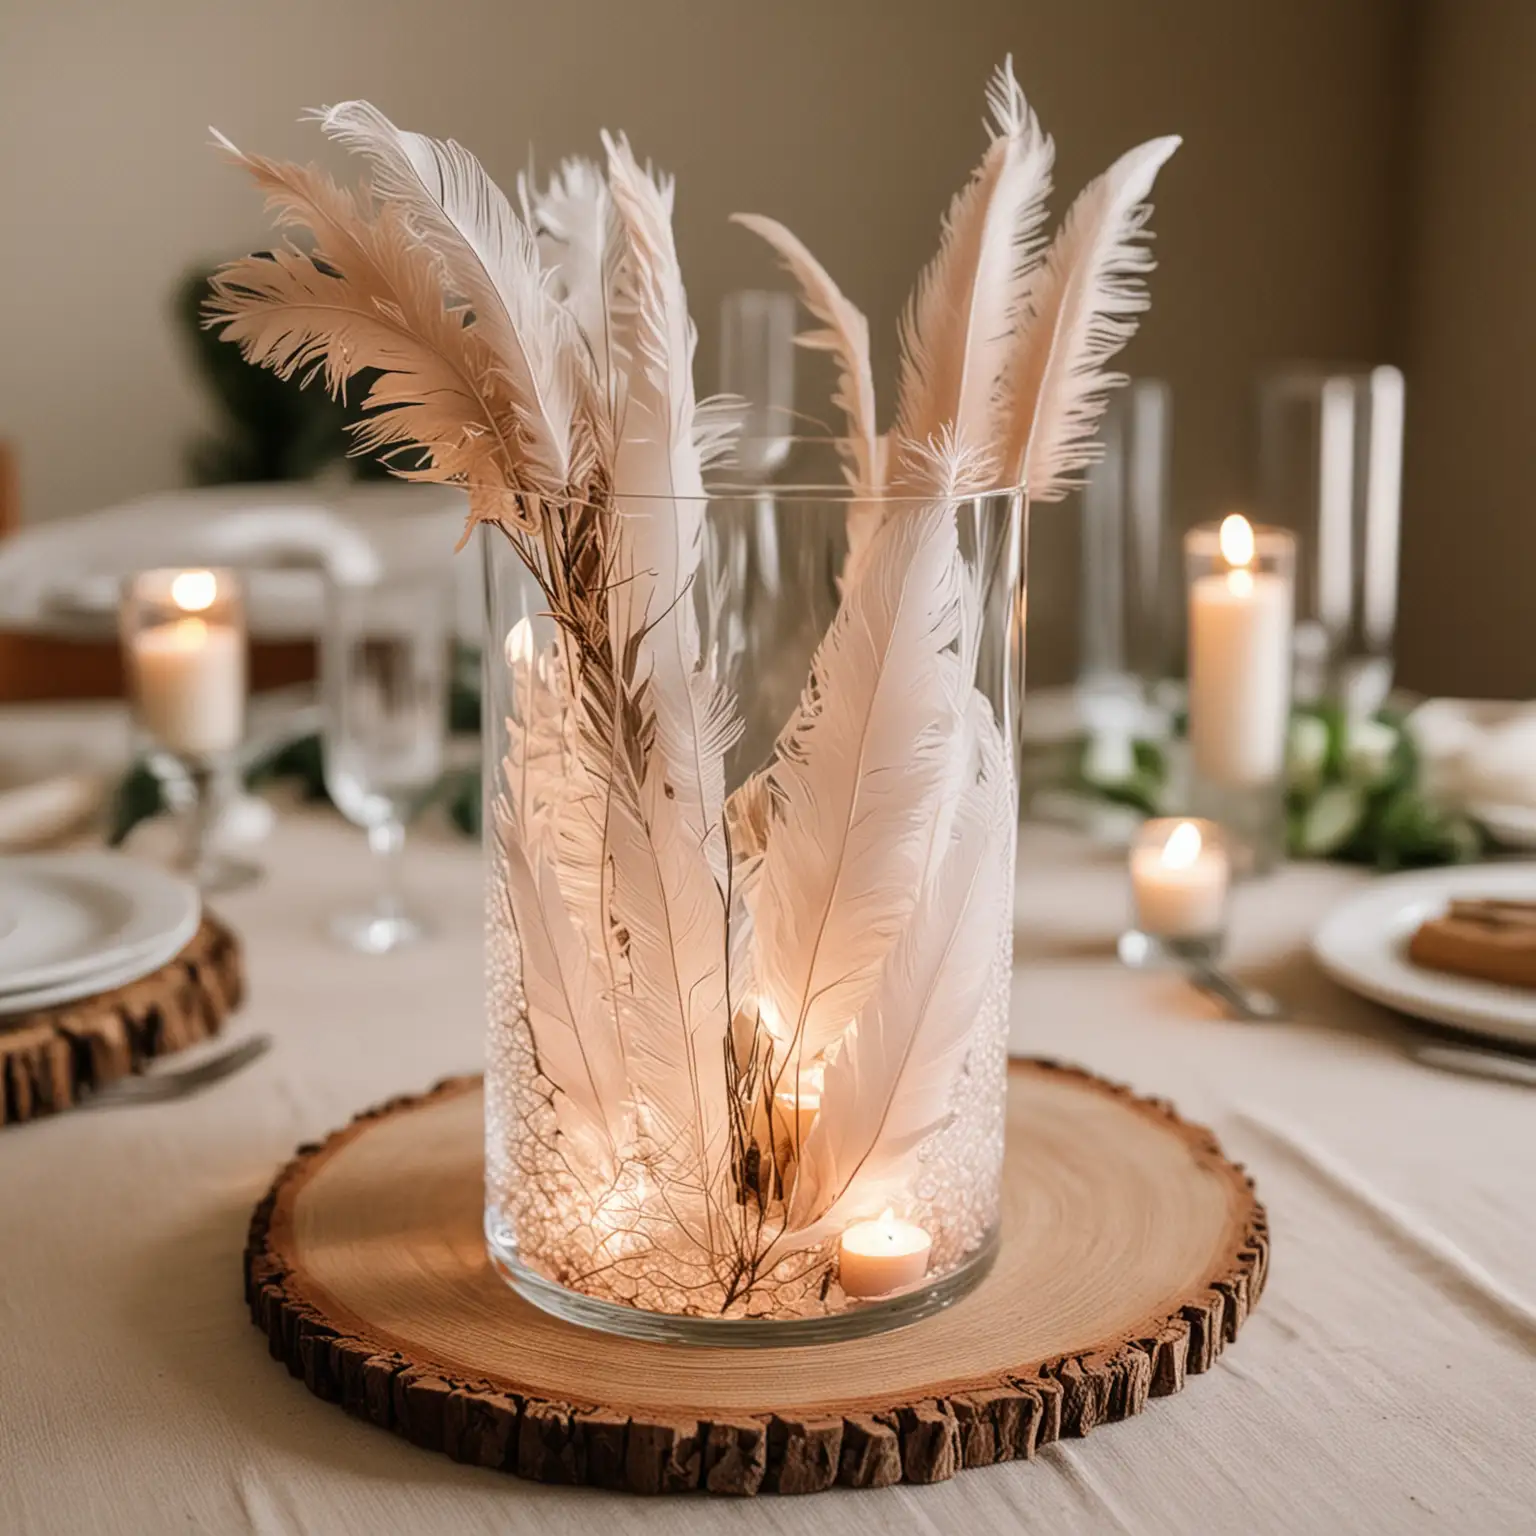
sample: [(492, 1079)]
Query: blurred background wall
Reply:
[(1341, 195)]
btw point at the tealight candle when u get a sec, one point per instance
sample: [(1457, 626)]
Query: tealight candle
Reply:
[(1179, 878), (878, 1257), (188, 663)]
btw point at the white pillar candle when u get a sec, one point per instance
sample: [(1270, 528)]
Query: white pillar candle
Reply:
[(189, 673), (878, 1257), (1239, 666), (1179, 878)]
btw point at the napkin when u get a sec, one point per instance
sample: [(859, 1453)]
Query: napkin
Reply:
[(1477, 752)]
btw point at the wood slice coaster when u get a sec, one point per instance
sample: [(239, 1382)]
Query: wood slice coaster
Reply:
[(52, 1057), (1131, 1253)]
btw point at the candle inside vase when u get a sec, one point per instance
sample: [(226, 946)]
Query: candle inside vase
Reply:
[(1179, 876), (793, 1116), (1239, 660), (878, 1257), (188, 664)]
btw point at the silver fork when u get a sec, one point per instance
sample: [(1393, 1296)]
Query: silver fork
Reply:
[(177, 1082)]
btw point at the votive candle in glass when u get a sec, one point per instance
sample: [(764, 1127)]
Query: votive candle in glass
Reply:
[(184, 649), (184, 642), (1180, 875), (1241, 606)]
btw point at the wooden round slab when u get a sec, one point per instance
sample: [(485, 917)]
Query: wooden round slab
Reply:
[(52, 1057), (1131, 1252)]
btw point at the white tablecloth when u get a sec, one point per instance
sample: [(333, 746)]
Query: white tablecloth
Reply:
[(1387, 1383)]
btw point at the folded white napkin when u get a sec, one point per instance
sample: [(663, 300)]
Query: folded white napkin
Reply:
[(1480, 756)]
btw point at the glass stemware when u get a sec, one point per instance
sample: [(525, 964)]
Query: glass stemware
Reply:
[(384, 678)]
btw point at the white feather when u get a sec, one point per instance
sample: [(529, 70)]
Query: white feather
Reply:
[(844, 335), (490, 263), (1083, 309), (575, 1035), (574, 221), (948, 470), (853, 785), (659, 527), (956, 329), (666, 901), (887, 1088)]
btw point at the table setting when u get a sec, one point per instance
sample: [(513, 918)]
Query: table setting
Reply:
[(729, 1085)]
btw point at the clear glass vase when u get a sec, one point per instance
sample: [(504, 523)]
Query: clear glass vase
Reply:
[(750, 910)]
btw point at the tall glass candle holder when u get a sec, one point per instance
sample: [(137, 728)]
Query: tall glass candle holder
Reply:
[(747, 1027), (184, 647), (1331, 469), (1241, 607), (1129, 565)]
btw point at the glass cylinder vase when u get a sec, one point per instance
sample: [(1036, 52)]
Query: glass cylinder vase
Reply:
[(750, 848)]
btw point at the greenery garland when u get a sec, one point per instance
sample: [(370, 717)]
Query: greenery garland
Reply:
[(1354, 790)]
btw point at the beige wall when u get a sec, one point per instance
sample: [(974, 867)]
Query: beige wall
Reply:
[(1469, 547), (1278, 223)]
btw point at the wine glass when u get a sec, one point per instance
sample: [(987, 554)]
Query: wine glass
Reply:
[(384, 678)]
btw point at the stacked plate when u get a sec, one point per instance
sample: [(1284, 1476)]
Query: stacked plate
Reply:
[(75, 924), (1363, 945)]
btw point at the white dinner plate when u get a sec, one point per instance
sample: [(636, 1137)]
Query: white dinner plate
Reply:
[(68, 918), (1363, 945), (91, 983)]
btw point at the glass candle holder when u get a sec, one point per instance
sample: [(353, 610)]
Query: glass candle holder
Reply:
[(750, 893), (184, 649), (1129, 566), (1331, 468), (1241, 605), (1180, 879)]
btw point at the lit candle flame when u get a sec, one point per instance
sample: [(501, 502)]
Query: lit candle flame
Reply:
[(193, 591), (520, 644), (1237, 541), (1183, 846)]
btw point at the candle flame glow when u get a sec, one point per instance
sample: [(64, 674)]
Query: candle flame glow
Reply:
[(1183, 846), (193, 591), (1237, 540), (520, 644)]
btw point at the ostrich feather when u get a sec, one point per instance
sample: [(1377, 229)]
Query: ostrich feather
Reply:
[(853, 785), (490, 263), (956, 329), (1083, 309), (887, 1088), (440, 386), (373, 300)]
